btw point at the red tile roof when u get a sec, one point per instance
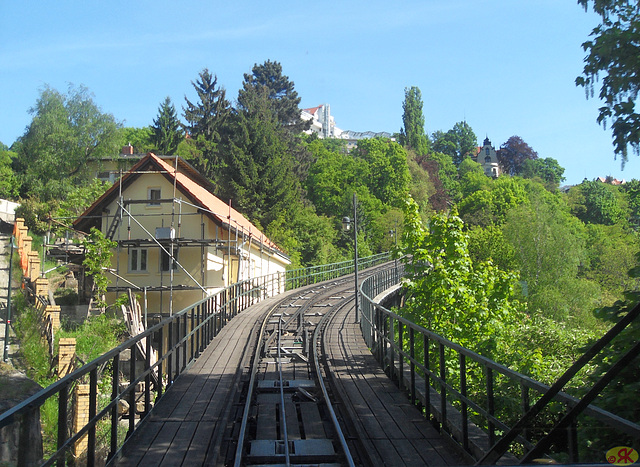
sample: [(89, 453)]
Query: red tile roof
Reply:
[(215, 208)]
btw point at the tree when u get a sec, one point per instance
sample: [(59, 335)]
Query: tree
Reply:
[(548, 170), (67, 132), (389, 175), (283, 97), (460, 142), (513, 154), (206, 119), (594, 202), (412, 135), (167, 133), (549, 247), (283, 101), (612, 58), (447, 292), (258, 167), (9, 185), (98, 251), (139, 138)]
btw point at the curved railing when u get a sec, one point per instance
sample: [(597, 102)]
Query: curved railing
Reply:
[(488, 409), (156, 358)]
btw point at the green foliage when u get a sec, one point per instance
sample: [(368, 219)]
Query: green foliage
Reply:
[(612, 59), (37, 214), (469, 303), (460, 142), (79, 199), (139, 138), (595, 202), (205, 121), (280, 91), (258, 171), (632, 190), (98, 251), (167, 129), (66, 133), (9, 184), (611, 254), (490, 205), (388, 174), (412, 135), (548, 170), (549, 246)]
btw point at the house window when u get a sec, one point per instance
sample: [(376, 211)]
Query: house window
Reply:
[(487, 159), (138, 260), (486, 151), (165, 259), (152, 195)]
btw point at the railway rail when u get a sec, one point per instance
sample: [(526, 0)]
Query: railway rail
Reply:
[(286, 413)]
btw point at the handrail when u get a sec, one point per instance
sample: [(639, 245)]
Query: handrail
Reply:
[(430, 382), (179, 340)]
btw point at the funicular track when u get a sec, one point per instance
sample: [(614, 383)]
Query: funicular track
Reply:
[(286, 413)]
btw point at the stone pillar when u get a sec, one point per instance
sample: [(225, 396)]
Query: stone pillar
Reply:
[(53, 311), (66, 355), (42, 287), (80, 418), (33, 269)]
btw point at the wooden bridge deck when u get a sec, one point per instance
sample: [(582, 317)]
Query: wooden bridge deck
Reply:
[(187, 425)]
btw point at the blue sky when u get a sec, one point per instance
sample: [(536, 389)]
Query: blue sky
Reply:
[(507, 67)]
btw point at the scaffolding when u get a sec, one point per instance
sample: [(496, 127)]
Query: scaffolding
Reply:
[(233, 243)]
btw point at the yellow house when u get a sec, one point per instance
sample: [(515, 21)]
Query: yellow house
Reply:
[(176, 241)]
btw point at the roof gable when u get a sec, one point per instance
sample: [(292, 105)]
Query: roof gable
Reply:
[(188, 184)]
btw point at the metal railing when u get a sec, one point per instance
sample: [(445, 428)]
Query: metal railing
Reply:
[(140, 382), (485, 407)]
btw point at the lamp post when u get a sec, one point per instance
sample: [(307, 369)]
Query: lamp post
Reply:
[(394, 233), (7, 323), (346, 226)]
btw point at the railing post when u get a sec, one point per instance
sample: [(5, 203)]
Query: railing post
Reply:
[(400, 355), (93, 409), (63, 405), (391, 339), (490, 407), (147, 378), (412, 366), (161, 364), (132, 393), (115, 386), (443, 388), (463, 404)]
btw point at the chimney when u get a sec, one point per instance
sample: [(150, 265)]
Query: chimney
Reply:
[(127, 150)]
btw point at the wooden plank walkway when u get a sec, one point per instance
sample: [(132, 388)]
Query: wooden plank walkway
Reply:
[(188, 423), (395, 433)]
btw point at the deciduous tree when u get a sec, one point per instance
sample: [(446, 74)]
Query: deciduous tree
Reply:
[(67, 132), (513, 154), (412, 134), (613, 60)]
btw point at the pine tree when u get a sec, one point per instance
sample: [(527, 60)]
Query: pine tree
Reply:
[(283, 102), (166, 128), (258, 167), (205, 120)]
